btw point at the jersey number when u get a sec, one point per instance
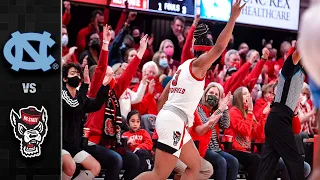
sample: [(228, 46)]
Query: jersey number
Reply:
[(175, 79)]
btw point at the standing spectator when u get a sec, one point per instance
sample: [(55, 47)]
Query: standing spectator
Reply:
[(95, 26), (241, 127), (92, 52), (66, 17), (175, 34)]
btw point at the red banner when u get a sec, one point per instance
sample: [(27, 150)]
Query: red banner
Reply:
[(98, 2), (135, 4)]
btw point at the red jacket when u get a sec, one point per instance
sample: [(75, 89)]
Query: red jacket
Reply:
[(142, 140), (242, 128), (261, 118), (204, 140), (66, 18), (96, 119)]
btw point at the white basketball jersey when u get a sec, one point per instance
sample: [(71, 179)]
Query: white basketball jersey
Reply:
[(186, 90)]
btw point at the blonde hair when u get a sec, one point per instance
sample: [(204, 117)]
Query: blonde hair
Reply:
[(211, 85), (163, 42)]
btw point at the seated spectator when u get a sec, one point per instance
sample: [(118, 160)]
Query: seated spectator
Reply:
[(160, 58), (168, 48), (139, 141), (154, 89), (241, 126), (67, 53), (306, 112), (75, 105), (92, 52), (225, 165), (262, 108), (129, 97)]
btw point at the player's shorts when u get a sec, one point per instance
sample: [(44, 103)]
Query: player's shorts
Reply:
[(171, 130), (79, 157)]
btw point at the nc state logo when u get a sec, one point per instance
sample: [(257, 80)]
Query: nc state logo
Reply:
[(176, 137), (30, 128)]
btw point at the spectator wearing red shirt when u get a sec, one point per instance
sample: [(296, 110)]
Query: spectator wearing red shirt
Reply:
[(212, 105), (241, 126), (67, 53), (95, 26), (139, 140)]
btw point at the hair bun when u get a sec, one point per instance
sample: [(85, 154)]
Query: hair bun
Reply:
[(200, 30)]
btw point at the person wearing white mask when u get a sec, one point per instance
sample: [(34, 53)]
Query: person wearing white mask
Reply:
[(160, 58), (67, 53)]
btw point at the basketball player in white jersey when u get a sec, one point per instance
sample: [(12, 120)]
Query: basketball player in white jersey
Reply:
[(186, 89), (309, 46)]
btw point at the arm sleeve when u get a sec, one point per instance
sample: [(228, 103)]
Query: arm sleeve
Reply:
[(224, 121), (99, 74), (66, 18), (114, 52), (186, 50), (147, 142), (235, 80), (126, 77), (253, 76), (94, 104), (121, 21), (137, 97)]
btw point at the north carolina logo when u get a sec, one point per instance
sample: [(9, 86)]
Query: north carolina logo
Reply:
[(176, 137), (20, 42), (30, 128)]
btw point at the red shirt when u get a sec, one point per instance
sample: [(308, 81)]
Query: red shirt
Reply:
[(204, 140), (240, 129), (142, 140)]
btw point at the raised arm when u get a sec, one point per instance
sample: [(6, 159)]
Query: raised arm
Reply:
[(186, 50), (204, 62)]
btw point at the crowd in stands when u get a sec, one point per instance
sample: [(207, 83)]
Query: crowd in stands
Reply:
[(113, 81)]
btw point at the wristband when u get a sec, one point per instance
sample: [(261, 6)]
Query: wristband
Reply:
[(105, 42)]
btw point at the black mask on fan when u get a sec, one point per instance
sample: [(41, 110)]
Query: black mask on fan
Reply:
[(212, 100), (74, 81)]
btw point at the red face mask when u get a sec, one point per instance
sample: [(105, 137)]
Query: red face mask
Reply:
[(150, 78), (236, 65)]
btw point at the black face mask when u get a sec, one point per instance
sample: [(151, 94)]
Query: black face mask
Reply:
[(243, 55), (230, 45), (212, 100), (136, 40), (74, 81), (95, 43)]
